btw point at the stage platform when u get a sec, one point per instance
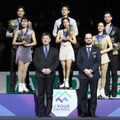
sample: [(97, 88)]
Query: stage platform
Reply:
[(59, 118), (66, 103)]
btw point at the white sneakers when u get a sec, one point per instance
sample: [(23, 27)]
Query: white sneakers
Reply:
[(98, 93), (65, 83), (22, 87), (25, 88), (101, 93), (62, 85)]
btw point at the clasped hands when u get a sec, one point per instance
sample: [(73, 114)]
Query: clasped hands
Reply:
[(66, 38), (24, 43), (46, 71), (89, 73)]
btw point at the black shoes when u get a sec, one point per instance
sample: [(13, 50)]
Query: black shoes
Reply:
[(40, 115), (30, 90), (84, 115), (93, 115), (58, 85), (12, 90), (48, 116)]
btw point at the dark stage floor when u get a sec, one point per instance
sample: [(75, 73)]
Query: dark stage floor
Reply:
[(58, 118)]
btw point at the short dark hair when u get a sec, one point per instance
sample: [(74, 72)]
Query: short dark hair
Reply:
[(20, 7), (45, 34), (88, 33), (24, 18), (108, 12), (65, 5)]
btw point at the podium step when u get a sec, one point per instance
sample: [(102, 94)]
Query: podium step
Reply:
[(17, 105), (66, 103)]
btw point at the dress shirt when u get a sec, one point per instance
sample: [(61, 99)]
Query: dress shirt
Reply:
[(48, 47), (58, 23)]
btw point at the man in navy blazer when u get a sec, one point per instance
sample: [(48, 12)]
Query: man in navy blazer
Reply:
[(46, 60), (88, 62)]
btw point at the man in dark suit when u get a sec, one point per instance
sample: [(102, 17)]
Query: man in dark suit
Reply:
[(114, 33), (46, 61), (88, 62)]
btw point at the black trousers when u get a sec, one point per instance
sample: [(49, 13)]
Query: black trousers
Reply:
[(84, 89), (45, 85), (113, 64), (14, 69)]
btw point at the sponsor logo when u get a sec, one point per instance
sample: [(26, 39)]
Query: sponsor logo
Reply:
[(63, 103), (61, 100), (62, 96)]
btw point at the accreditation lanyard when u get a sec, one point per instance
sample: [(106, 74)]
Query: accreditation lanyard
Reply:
[(100, 40), (109, 29), (26, 31), (63, 33), (19, 23)]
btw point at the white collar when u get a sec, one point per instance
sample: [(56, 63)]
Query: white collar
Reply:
[(88, 45)]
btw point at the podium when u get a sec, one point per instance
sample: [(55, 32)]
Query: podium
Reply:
[(18, 105), (66, 103)]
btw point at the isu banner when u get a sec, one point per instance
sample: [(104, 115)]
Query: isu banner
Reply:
[(5, 82)]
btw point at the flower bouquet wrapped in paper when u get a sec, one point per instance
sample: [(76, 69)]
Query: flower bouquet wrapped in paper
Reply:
[(99, 45), (68, 32), (117, 47), (22, 37), (13, 24)]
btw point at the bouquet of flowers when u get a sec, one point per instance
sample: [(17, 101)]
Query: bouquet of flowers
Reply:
[(115, 48), (13, 24), (22, 37), (99, 45), (68, 31)]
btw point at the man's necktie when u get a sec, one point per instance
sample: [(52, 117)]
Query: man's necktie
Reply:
[(88, 51), (46, 52)]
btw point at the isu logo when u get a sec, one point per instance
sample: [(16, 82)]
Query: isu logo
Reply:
[(61, 96)]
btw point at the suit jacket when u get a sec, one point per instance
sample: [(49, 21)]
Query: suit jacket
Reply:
[(93, 62), (115, 34), (40, 62)]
